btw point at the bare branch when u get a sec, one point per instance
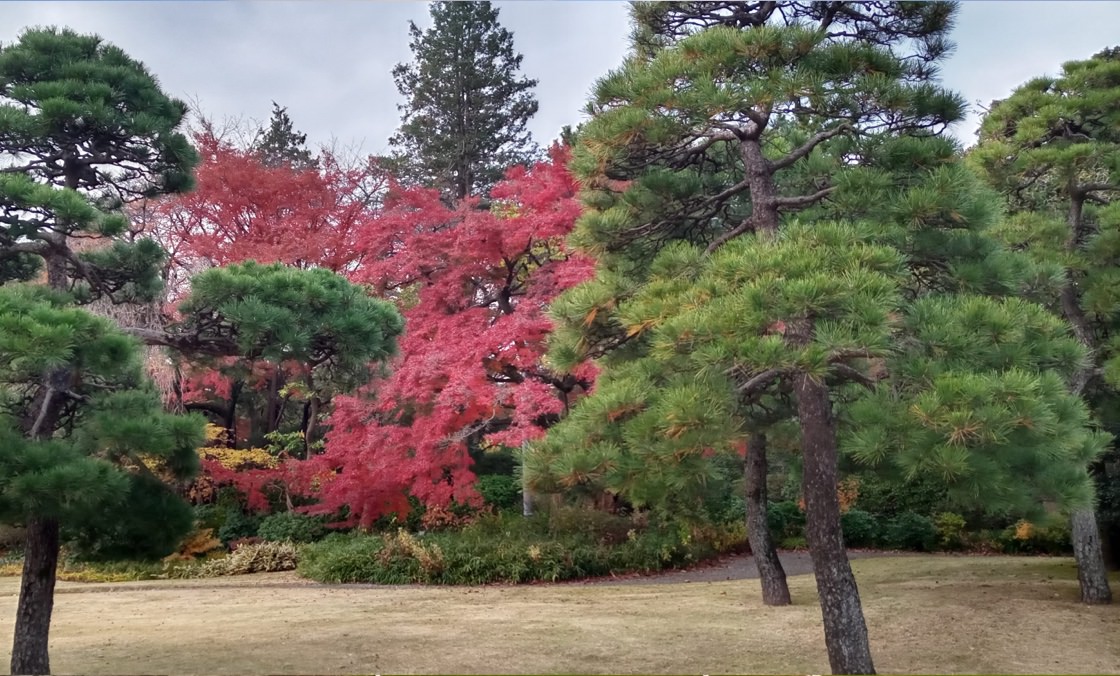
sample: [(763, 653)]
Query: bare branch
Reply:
[(808, 146), (761, 381), (800, 201), (746, 226), (853, 375)]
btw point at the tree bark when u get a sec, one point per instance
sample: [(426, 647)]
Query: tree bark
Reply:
[(845, 631), (40, 559), (1084, 534), (36, 599), (775, 591), (1091, 571)]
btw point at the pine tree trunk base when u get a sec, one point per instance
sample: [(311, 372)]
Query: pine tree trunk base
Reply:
[(36, 599), (775, 590), (845, 630), (1091, 571)]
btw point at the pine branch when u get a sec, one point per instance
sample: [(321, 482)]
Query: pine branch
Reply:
[(800, 201), (808, 146), (760, 381), (852, 374)]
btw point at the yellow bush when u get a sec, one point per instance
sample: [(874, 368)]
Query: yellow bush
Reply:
[(239, 459), (198, 543)]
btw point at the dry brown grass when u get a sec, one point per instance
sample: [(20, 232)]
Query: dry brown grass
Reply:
[(926, 614)]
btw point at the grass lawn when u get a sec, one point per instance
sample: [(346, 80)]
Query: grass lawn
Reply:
[(926, 614)]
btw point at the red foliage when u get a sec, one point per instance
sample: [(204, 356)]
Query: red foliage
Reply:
[(242, 209), (474, 284)]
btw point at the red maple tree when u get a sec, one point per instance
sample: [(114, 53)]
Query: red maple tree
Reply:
[(474, 283)]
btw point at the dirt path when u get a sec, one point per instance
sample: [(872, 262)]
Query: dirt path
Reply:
[(738, 567)]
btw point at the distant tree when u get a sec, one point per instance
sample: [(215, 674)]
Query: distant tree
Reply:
[(280, 144), (240, 210), (1052, 149), (466, 109)]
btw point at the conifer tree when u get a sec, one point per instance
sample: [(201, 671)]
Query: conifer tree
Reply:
[(1052, 149), (85, 129), (466, 108), (715, 141), (281, 145)]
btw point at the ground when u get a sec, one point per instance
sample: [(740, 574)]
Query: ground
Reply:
[(926, 614)]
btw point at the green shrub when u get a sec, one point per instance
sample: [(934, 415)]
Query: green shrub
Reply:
[(860, 528), (910, 531), (238, 525), (793, 542), (567, 544), (950, 530), (293, 527), (889, 498), (499, 491), (786, 520), (146, 526), (594, 524), (1027, 538)]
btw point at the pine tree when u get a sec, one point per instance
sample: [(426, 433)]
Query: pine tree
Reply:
[(718, 140), (281, 145), (1052, 149), (466, 110), (83, 129)]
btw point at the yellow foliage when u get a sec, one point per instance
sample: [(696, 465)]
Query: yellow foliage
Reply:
[(1024, 530), (215, 434), (239, 459), (197, 543)]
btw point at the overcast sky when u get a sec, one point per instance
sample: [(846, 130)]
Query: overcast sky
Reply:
[(330, 62)]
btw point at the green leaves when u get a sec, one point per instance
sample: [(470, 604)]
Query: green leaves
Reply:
[(273, 312)]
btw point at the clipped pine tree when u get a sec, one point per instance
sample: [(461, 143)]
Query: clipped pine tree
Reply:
[(1052, 149), (85, 129)]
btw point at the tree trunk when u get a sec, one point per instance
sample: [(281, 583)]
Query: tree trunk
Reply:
[(526, 494), (40, 557), (845, 631), (775, 591), (36, 599), (1091, 571)]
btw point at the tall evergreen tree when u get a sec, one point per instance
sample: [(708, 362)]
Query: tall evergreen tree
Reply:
[(466, 107), (1052, 149), (280, 144)]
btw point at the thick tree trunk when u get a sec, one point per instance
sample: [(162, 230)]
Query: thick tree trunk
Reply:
[(1091, 571), (775, 591), (845, 631), (36, 599)]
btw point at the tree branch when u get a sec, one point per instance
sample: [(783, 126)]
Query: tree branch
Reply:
[(802, 200), (808, 146), (760, 381)]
